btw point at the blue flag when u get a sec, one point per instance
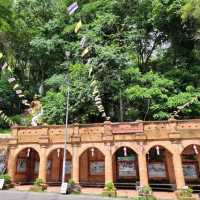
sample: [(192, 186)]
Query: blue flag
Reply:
[(72, 8)]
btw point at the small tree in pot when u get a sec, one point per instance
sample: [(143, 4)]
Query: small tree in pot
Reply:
[(109, 190)]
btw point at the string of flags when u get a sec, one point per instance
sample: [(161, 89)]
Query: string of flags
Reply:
[(17, 90), (86, 49), (180, 108)]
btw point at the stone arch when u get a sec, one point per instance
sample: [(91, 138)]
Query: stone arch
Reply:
[(99, 146), (55, 165), (27, 162), (123, 144), (92, 170), (125, 166), (165, 144), (60, 146), (160, 166), (190, 157)]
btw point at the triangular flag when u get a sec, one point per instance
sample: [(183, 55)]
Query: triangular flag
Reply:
[(72, 8), (85, 52), (18, 91), (4, 66), (78, 26), (10, 80), (1, 55), (15, 86)]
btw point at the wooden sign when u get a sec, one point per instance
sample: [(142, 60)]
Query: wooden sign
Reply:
[(1, 183), (64, 188)]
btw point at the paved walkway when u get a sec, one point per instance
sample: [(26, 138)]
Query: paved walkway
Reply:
[(97, 191), (22, 195)]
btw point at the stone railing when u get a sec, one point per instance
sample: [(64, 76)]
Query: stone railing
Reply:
[(107, 131)]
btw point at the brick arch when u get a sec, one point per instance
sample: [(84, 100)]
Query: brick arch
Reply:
[(54, 147), (100, 148), (121, 145), (21, 148), (187, 143), (168, 146)]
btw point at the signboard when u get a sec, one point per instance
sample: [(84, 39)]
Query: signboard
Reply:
[(189, 171), (126, 158), (126, 169), (1, 183), (157, 170), (97, 168), (64, 188)]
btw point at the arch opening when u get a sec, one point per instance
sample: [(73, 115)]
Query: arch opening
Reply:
[(160, 169), (55, 166), (125, 168), (191, 166), (27, 166), (92, 168)]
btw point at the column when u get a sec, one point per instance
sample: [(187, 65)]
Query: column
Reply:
[(143, 168), (75, 163), (178, 170), (43, 164), (12, 163), (108, 164)]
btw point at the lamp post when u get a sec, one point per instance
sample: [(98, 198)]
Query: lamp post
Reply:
[(65, 133)]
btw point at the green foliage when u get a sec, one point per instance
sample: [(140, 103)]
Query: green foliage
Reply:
[(145, 193), (6, 178), (109, 190), (184, 194), (144, 56), (38, 182)]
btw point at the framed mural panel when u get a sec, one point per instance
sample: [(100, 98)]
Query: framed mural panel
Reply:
[(97, 168), (68, 167), (190, 171), (21, 165), (2, 163), (126, 169), (49, 164), (36, 168), (157, 170)]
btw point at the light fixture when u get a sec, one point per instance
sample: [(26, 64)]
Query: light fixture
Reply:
[(92, 152), (28, 152), (125, 151), (158, 150), (195, 149), (58, 153)]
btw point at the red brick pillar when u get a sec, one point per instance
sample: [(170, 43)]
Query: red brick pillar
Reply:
[(12, 159), (178, 170), (108, 164), (75, 163), (43, 164), (142, 168)]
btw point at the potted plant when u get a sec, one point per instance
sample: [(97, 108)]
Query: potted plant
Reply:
[(7, 181), (145, 193), (109, 190), (73, 187), (38, 186), (185, 194)]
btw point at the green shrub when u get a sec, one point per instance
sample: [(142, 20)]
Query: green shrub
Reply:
[(145, 193), (109, 190), (185, 194), (39, 186), (6, 177), (71, 182), (39, 182)]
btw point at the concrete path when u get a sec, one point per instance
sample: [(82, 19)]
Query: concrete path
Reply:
[(21, 195)]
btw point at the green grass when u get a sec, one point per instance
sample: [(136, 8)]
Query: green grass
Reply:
[(5, 131)]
